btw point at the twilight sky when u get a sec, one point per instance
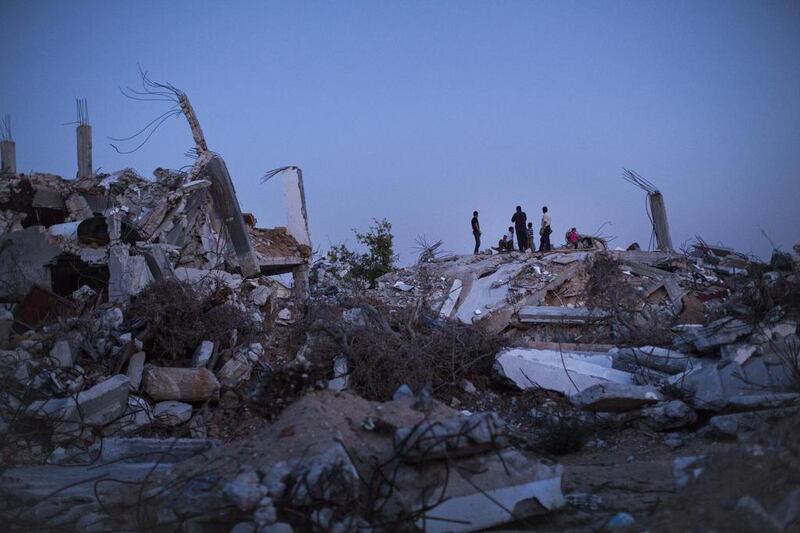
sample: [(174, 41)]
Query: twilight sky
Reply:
[(421, 112)]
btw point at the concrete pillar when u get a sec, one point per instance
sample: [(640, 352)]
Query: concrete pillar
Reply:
[(8, 154), (227, 209), (84, 134), (294, 197), (660, 223), (301, 291)]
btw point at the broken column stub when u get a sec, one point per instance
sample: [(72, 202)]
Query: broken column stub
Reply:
[(227, 208), (84, 137), (185, 384), (8, 156), (294, 197)]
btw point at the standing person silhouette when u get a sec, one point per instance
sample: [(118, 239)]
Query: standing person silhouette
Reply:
[(476, 232), (519, 219), (545, 231)]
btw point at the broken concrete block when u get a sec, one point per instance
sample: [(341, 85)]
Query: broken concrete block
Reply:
[(460, 436), (138, 415), (759, 383), (202, 355), (404, 287), (97, 406), (614, 397), (61, 354), (663, 360), (135, 369), (284, 317), (485, 294), (738, 353), (449, 303), (240, 365), (260, 295), (329, 476), (127, 275), (158, 262), (718, 333), (185, 384), (503, 487), (547, 314), (172, 413), (78, 207), (341, 373), (668, 415), (565, 372)]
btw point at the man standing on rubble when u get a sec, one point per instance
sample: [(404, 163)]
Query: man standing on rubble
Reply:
[(545, 231), (476, 232), (519, 219)]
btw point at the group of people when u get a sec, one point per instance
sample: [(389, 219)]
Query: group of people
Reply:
[(522, 230)]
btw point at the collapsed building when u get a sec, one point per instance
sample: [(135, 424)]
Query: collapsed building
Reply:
[(155, 376), (115, 233)]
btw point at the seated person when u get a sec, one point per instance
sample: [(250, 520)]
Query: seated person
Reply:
[(572, 238), (505, 244)]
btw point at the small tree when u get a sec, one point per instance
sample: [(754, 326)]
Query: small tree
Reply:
[(375, 262)]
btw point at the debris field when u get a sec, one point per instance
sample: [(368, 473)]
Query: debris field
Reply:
[(157, 375)]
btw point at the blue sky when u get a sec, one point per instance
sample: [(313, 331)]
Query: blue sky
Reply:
[(421, 112)]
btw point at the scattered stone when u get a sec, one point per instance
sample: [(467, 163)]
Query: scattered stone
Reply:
[(61, 353), (265, 514), (403, 391), (618, 521), (136, 369), (243, 527), (172, 413), (461, 436), (138, 415), (240, 365), (284, 317), (184, 384), (202, 355), (404, 287), (673, 414), (244, 490), (468, 387), (689, 468)]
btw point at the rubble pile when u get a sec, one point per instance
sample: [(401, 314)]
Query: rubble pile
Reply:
[(155, 374)]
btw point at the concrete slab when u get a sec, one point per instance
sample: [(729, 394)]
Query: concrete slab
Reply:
[(546, 369)]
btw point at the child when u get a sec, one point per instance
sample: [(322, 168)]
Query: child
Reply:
[(572, 238), (531, 244)]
